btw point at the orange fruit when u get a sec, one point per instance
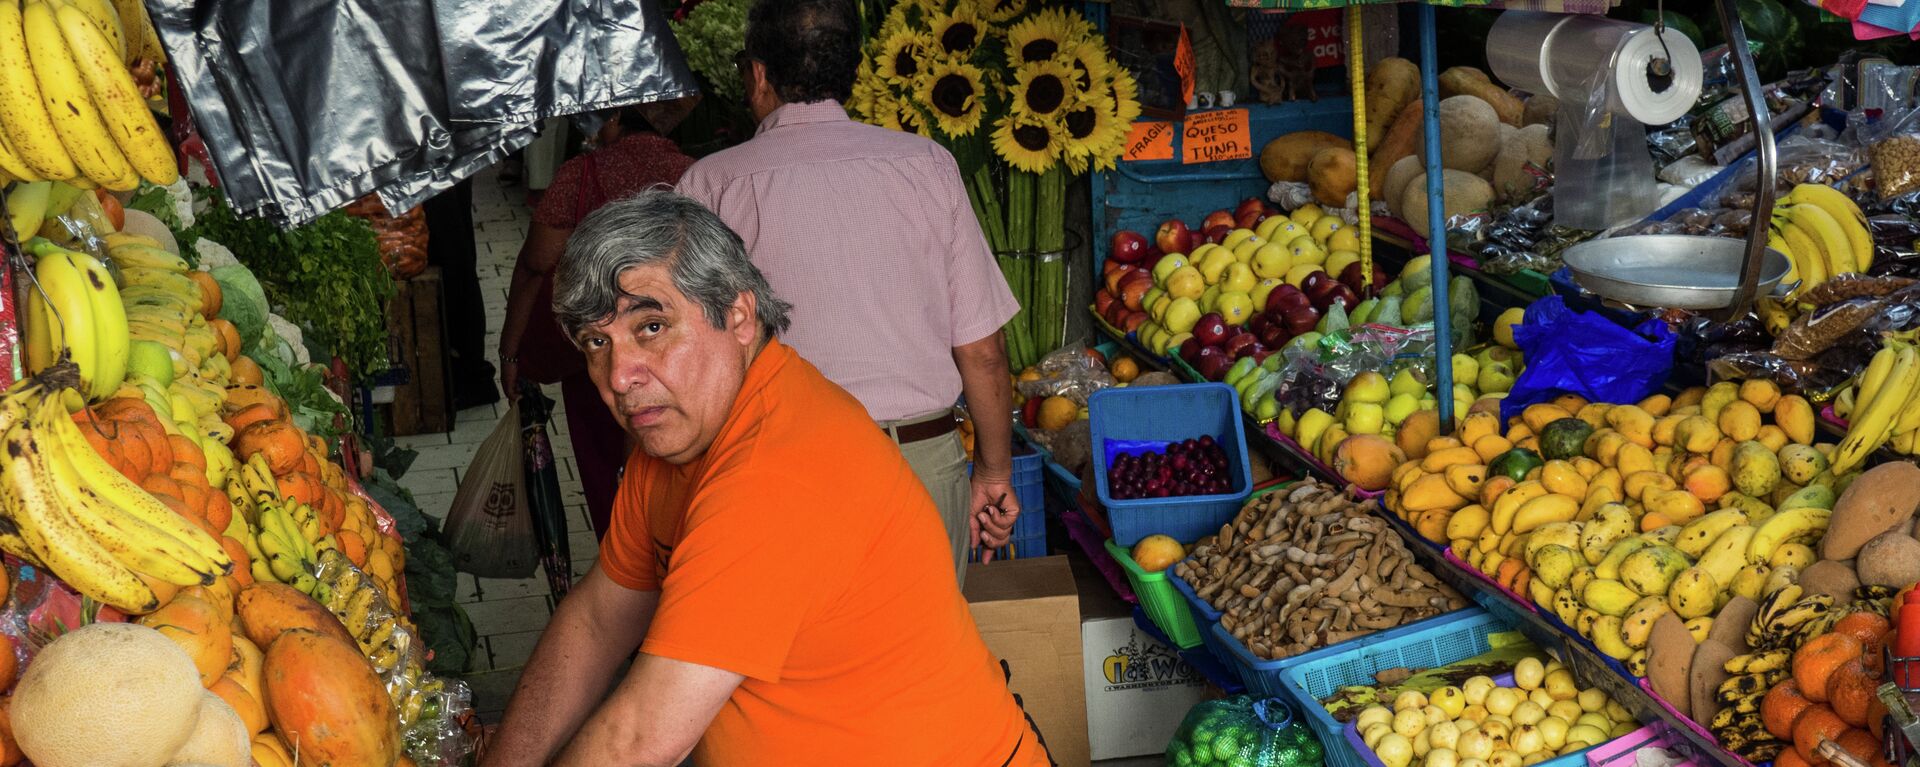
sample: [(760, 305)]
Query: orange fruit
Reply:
[(1058, 412), (353, 546), (250, 415), (1157, 552), (278, 441), (229, 338), (10, 753), (209, 293), (218, 511), (239, 397), (301, 487), (1815, 723), (1816, 661), (1860, 743), (185, 451), (243, 371), (161, 484), (1850, 691), (1791, 758), (1125, 370), (1781, 706), (1869, 628)]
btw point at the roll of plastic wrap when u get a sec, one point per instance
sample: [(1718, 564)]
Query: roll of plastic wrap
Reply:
[(1589, 52), (1517, 49)]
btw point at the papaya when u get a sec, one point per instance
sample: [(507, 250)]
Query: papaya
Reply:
[(324, 698), (267, 610)]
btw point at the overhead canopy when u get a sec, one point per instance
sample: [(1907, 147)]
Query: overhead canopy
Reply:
[(306, 105)]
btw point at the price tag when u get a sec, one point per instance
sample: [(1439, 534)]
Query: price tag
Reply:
[(1150, 141), (1214, 136)]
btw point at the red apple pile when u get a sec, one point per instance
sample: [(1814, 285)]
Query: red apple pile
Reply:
[(1191, 467), (1126, 280)]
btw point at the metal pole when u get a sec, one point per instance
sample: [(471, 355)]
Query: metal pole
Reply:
[(1436, 220), (1762, 123)]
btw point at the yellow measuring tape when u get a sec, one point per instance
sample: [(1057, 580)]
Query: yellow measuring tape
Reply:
[(1356, 68)]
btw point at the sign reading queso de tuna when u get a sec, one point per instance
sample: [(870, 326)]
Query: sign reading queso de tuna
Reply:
[(1221, 134)]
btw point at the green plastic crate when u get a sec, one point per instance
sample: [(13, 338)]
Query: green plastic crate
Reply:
[(1163, 604)]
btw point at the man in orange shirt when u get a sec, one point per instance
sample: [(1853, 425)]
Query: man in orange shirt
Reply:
[(771, 555)]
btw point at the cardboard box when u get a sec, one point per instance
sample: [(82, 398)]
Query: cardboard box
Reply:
[(1137, 689), (1029, 614)]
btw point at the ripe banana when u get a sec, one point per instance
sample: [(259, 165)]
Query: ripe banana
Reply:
[(133, 542), (106, 482), (69, 310), (1697, 535), (1826, 232), (1806, 253), (12, 165), (75, 118), (1758, 662), (122, 109), (1843, 210), (1873, 423), (109, 325), (142, 256), (23, 114)]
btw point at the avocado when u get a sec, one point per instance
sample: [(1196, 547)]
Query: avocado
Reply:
[(1565, 438)]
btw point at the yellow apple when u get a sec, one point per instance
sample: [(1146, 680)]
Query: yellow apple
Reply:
[(1269, 225), (1305, 215), (1235, 237), (1345, 238), (1245, 250), (1325, 226), (1297, 275), (1306, 251), (1262, 289), (1214, 263), (1238, 278), (1166, 266), (1183, 315), (1186, 282), (1234, 307), (1271, 260)]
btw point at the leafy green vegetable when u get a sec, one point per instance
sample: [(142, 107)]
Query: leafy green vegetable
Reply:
[(710, 37), (326, 276), (157, 200), (304, 387), (243, 301)]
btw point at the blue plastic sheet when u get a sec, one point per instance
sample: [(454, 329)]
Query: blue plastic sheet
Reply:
[(1115, 447), (1569, 352)]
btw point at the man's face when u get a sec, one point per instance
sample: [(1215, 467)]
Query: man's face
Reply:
[(667, 374)]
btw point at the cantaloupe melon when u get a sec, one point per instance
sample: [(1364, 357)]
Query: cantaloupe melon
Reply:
[(219, 737), (106, 695)]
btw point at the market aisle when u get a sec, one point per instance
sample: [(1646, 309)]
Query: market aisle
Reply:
[(508, 615)]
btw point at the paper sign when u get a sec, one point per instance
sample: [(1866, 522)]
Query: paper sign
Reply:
[(1326, 35), (1214, 136), (1150, 141)]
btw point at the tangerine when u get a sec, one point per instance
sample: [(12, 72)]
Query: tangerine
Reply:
[(1125, 370), (185, 451), (1860, 743), (1781, 706), (230, 345), (250, 415), (1815, 724), (1058, 412), (1869, 628), (1816, 661), (1850, 691), (278, 442), (243, 371), (210, 300)]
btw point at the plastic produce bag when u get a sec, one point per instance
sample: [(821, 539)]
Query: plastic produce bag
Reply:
[(1586, 354), (490, 527), (1243, 731), (1067, 372)]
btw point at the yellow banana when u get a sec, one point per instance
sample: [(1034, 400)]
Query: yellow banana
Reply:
[(1843, 210), (134, 543), (1807, 254), (1875, 376), (23, 115), (71, 310), (1873, 423), (141, 256), (57, 540), (1827, 232), (121, 107), (110, 339), (75, 118), (106, 18), (115, 489), (12, 163)]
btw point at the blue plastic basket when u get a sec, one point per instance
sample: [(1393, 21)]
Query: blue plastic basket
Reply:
[(1267, 677), (1030, 489), (1205, 618), (1431, 643), (1170, 414)]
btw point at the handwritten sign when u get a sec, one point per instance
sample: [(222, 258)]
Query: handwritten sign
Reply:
[(1150, 141), (1214, 136)]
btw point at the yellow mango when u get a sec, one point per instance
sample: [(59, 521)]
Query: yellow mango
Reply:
[(1491, 446), (1663, 459), (1587, 466), (1696, 434), (1538, 416), (1722, 454), (1442, 443), (1632, 422), (1596, 498), (1595, 414), (1432, 525), (1708, 482), (1400, 472), (1545, 509), (1509, 503), (1562, 478), (1431, 492), (1693, 409), (1633, 459), (1794, 415), (1518, 430), (1570, 402), (1739, 421), (1657, 405), (1604, 445), (1678, 506), (1609, 479), (1477, 425), (1773, 437), (1465, 478), (1761, 393), (1691, 395), (1637, 483), (1718, 396), (1664, 428), (1439, 460), (1467, 523), (1530, 443)]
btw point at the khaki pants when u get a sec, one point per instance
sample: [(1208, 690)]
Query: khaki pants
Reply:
[(941, 465)]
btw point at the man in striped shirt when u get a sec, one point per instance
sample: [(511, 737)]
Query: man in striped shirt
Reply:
[(868, 233)]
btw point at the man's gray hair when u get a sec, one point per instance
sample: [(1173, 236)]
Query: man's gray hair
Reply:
[(704, 258)]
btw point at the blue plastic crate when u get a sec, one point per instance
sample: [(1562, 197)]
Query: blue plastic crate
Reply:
[(1026, 546), (1170, 414), (1030, 489), (1427, 644), (1205, 618), (1267, 677)]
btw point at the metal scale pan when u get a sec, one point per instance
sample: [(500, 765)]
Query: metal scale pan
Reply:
[(1675, 271)]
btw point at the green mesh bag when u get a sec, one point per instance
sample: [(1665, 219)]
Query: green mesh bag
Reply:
[(1243, 731)]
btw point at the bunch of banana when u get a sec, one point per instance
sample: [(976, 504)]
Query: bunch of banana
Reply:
[(1886, 407), (76, 313), (69, 511), (1822, 233), (1742, 732), (69, 107), (363, 608), (1789, 617)]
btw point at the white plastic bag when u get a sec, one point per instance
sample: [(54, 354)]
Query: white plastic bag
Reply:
[(490, 527)]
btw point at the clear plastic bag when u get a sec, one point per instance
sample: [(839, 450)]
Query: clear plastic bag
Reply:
[(1894, 148), (1244, 731), (1067, 372), (1800, 160)]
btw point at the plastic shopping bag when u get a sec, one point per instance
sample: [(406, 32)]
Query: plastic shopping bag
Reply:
[(1569, 352), (1243, 731), (490, 527)]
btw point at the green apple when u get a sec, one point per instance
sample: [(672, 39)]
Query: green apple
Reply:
[(1165, 267), (1465, 369), (1271, 260), (151, 359), (1237, 375), (1186, 282), (1261, 290), (1235, 307), (1370, 387), (1267, 408), (1365, 418), (1238, 279), (1503, 326), (1182, 315), (1405, 382), (1236, 237), (1465, 389), (1496, 378), (1401, 406), (1174, 342), (1158, 309), (1152, 295), (1208, 297), (1214, 264)]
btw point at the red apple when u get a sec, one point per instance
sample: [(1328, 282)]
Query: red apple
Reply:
[(1101, 300), (1218, 218), (1284, 297), (1250, 219), (1173, 236), (1350, 276), (1309, 286), (1300, 319), (1133, 321), (1250, 205), (1212, 363), (1030, 413), (1116, 314), (1256, 322), (1218, 232), (1274, 334), (1134, 288), (1211, 329), (1118, 277), (1190, 350), (1345, 296), (1127, 247), (1236, 347), (1261, 354)]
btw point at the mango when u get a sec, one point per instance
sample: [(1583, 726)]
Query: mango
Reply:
[(1562, 478), (1708, 482), (1801, 463), (1633, 423), (1543, 510), (1636, 484), (1656, 405), (1608, 597), (1751, 581), (1761, 393), (1651, 569), (1696, 434), (1814, 496), (1664, 429), (1794, 415), (1756, 470), (1718, 396), (1678, 506), (1693, 594), (1773, 437), (1431, 491)]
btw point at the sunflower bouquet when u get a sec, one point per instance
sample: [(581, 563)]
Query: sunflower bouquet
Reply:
[(1024, 97)]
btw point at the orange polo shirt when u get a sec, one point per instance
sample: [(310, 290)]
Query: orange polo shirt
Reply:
[(801, 552)]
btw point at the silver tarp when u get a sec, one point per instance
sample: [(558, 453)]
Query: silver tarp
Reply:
[(306, 105)]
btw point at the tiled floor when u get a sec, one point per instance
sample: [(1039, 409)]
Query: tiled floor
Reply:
[(507, 614)]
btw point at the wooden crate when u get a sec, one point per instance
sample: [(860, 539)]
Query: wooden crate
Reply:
[(417, 331)]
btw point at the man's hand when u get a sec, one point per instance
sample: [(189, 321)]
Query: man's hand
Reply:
[(509, 379), (991, 530)]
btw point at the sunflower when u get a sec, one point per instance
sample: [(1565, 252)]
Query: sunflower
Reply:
[(908, 117), (953, 94), (1038, 37), (959, 32), (901, 54), (1125, 95), (1092, 134), (1042, 88), (1027, 143), (1088, 61), (1002, 11)]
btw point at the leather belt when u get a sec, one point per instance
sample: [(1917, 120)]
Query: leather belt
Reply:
[(917, 432)]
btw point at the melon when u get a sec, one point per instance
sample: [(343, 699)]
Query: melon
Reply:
[(107, 695), (219, 737)]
